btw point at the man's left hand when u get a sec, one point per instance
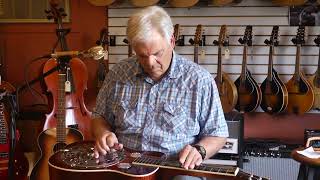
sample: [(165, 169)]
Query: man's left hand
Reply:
[(189, 157)]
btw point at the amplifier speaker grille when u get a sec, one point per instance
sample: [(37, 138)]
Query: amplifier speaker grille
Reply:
[(274, 168)]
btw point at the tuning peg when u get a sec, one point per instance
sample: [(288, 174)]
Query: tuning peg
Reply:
[(125, 41), (191, 41), (267, 42), (240, 40), (47, 11), (215, 42), (49, 17)]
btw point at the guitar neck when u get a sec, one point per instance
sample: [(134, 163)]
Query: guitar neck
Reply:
[(196, 53), (318, 69), (244, 63), (269, 77), (205, 169), (219, 73), (61, 116), (297, 65)]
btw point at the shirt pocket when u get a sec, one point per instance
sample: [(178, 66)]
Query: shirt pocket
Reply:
[(174, 118), (125, 115)]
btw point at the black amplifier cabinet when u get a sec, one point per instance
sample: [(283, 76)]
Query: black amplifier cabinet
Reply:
[(268, 158), (230, 154)]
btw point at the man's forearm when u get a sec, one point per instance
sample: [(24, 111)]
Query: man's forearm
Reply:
[(212, 144), (99, 125)]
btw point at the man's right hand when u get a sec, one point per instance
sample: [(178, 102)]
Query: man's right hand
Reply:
[(105, 142)]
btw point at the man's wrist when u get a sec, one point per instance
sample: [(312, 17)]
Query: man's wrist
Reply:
[(202, 151)]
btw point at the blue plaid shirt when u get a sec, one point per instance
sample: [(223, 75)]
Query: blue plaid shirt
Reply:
[(161, 116)]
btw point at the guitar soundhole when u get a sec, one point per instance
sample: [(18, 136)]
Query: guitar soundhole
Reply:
[(303, 87)]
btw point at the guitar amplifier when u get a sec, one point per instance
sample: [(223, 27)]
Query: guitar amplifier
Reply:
[(270, 159), (230, 154)]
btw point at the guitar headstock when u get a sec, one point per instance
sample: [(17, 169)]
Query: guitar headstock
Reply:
[(317, 40), (247, 37), (223, 37), (198, 35), (176, 33), (299, 39), (274, 37), (103, 40)]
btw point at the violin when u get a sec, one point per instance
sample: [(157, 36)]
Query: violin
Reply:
[(66, 86)]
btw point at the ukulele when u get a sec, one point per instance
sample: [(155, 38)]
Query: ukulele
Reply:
[(227, 90), (249, 93), (301, 96), (315, 79), (129, 164), (274, 92), (55, 139), (103, 62), (20, 162)]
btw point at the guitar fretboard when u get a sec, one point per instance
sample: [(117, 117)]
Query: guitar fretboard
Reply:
[(207, 169)]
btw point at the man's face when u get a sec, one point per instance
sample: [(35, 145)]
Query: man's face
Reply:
[(154, 55)]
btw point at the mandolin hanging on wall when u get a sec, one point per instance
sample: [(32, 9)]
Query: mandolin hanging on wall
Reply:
[(314, 79), (274, 92), (300, 93), (249, 93), (227, 90)]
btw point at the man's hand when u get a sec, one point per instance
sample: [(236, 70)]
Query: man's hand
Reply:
[(189, 157), (105, 142)]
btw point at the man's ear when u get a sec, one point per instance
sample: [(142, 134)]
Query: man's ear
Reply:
[(172, 41)]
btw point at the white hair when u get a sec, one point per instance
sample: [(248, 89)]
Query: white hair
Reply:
[(142, 23)]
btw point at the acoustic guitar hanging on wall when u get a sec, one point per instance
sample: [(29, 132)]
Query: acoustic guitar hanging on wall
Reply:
[(227, 90), (274, 92), (301, 96), (249, 93), (314, 79)]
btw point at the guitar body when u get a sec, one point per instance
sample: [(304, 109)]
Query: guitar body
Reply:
[(183, 3), (143, 3), (249, 94), (101, 2), (227, 92), (289, 2), (300, 95), (125, 164), (314, 82), (47, 143), (224, 2), (274, 94)]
